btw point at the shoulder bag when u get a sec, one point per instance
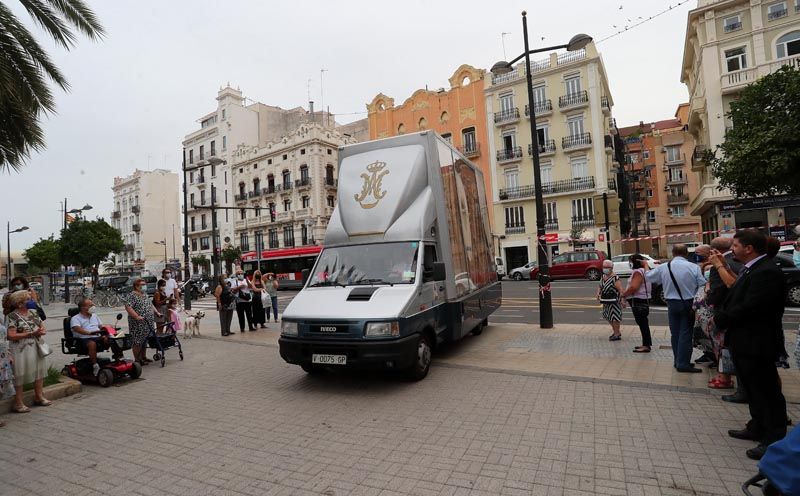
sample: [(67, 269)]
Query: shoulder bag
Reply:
[(674, 281), (42, 348)]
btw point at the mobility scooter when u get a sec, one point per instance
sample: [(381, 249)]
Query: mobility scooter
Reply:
[(110, 368)]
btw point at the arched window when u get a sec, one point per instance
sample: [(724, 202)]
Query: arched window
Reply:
[(271, 183), (444, 117), (304, 173), (465, 81), (256, 185), (423, 124), (242, 189), (329, 174), (401, 129), (788, 45), (287, 179)]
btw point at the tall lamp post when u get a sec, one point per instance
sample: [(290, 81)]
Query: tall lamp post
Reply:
[(9, 267), (577, 42)]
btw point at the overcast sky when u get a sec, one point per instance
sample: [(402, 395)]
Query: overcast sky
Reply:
[(140, 90)]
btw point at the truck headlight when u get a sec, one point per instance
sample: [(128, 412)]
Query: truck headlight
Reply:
[(382, 329), (288, 328)]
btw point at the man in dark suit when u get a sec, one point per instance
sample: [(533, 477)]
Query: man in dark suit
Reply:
[(752, 315)]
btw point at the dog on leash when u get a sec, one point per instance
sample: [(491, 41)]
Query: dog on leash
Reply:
[(192, 323)]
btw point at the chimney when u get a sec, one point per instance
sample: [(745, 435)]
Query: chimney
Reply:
[(311, 109)]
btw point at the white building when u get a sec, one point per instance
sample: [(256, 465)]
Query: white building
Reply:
[(146, 212), (289, 187)]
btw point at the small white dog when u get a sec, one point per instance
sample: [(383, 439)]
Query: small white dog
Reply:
[(192, 322)]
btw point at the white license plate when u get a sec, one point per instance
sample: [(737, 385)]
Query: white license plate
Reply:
[(329, 359)]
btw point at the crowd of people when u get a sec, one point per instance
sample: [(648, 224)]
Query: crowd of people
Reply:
[(730, 305), (251, 299)]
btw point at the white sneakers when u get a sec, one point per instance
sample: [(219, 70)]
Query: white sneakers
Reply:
[(95, 369)]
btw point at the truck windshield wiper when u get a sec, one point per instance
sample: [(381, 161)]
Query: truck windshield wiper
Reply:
[(373, 281), (327, 283)]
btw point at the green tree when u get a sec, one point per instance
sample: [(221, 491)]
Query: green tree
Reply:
[(86, 243), (25, 68), (44, 255), (229, 255), (761, 153), (199, 261)]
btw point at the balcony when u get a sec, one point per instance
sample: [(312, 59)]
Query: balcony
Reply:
[(303, 213), (577, 141), (509, 154), (734, 26), (608, 141), (331, 182), (284, 188), (676, 181), (570, 57), (582, 221), (506, 116), (568, 185), (254, 194), (510, 76), (515, 228), (135, 209), (547, 148), (136, 227), (678, 199), (240, 197), (542, 108), (471, 150), (304, 182), (612, 125), (699, 158), (573, 100), (116, 214), (777, 14), (551, 224), (517, 192), (269, 190), (284, 216), (605, 105), (127, 247), (679, 160), (199, 181), (612, 184), (734, 81)]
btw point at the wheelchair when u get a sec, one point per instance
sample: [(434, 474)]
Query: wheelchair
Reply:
[(111, 369)]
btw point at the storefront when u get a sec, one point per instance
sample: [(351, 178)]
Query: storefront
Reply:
[(776, 216)]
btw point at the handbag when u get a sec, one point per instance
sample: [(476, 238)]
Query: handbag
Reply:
[(265, 299), (42, 348)]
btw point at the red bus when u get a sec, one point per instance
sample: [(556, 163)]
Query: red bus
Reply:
[(286, 263)]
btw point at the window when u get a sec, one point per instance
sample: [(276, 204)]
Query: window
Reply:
[(579, 166), (468, 139), (223, 116), (244, 242), (546, 172), (509, 140), (506, 102), (646, 154), (676, 174), (651, 216), (287, 179), (331, 202), (448, 137), (202, 153), (191, 177), (273, 238), (225, 175), (302, 151), (632, 158), (575, 125), (242, 214), (269, 161), (285, 156), (542, 134), (213, 148), (191, 199), (401, 129), (512, 178), (213, 170), (242, 189), (194, 244), (288, 236), (287, 205), (786, 46), (573, 84), (329, 174), (647, 172), (679, 211), (204, 243), (330, 152), (304, 234), (776, 11), (582, 209), (550, 212), (673, 153), (192, 223), (304, 174), (422, 124), (272, 212), (515, 217), (736, 59), (306, 202), (649, 193), (539, 93), (203, 197), (733, 23)]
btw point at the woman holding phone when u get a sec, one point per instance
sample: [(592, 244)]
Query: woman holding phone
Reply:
[(638, 294)]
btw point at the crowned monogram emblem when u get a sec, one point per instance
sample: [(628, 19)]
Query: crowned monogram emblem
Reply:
[(372, 185)]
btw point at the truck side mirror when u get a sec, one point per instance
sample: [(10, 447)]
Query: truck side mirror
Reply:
[(439, 273)]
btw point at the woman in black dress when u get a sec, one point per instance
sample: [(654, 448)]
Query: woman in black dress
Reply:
[(258, 305)]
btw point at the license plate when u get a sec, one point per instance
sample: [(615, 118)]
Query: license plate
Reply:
[(329, 359)]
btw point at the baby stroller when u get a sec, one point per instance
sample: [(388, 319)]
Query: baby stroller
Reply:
[(779, 468), (163, 341)]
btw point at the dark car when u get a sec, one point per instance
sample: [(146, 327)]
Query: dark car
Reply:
[(576, 264), (112, 282), (151, 283), (792, 275)]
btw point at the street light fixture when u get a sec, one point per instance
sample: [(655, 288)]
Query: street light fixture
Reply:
[(9, 267), (577, 42), (163, 242)]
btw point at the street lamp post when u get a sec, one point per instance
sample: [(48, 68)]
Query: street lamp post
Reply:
[(576, 43), (9, 267), (75, 211), (164, 242)]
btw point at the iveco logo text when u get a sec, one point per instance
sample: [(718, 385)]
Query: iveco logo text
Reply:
[(327, 329)]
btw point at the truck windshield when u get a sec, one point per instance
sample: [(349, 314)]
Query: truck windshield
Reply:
[(382, 263)]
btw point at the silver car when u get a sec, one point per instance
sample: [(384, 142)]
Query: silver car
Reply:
[(523, 272)]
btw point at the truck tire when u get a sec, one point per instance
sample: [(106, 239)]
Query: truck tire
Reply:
[(422, 359)]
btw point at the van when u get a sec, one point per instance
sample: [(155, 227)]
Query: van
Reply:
[(407, 262), (501, 268)]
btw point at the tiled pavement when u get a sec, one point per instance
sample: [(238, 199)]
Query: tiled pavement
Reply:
[(234, 419)]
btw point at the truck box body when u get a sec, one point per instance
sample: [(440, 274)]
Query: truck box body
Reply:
[(405, 205)]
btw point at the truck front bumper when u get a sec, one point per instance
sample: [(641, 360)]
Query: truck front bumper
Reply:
[(392, 354)]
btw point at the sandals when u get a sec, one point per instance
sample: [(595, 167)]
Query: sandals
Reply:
[(642, 349), (20, 409), (42, 402), (615, 337), (716, 383)]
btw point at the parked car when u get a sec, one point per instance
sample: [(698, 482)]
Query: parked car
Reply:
[(112, 282), (622, 267), (151, 283), (792, 275), (501, 269), (523, 272), (575, 264)]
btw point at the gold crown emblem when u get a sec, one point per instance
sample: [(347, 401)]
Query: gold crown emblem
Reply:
[(376, 166)]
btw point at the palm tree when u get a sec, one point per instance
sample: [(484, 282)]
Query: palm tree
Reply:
[(25, 68)]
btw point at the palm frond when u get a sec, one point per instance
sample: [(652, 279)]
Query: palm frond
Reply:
[(45, 17), (81, 16)]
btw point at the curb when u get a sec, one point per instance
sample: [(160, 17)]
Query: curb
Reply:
[(67, 387)]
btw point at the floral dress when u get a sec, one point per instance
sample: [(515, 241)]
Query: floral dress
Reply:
[(28, 365), (139, 329), (6, 369)]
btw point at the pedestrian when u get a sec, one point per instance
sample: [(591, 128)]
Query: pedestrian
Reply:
[(141, 319), (6, 368), (680, 280), (638, 294), (25, 329), (706, 328), (242, 289), (258, 301), (19, 284), (272, 291), (226, 304), (160, 299), (796, 254), (752, 315), (701, 254), (609, 293), (171, 289)]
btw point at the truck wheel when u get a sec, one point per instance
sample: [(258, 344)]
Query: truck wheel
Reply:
[(517, 276), (593, 275), (311, 369), (422, 359)]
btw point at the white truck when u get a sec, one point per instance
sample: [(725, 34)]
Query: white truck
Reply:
[(407, 262)]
